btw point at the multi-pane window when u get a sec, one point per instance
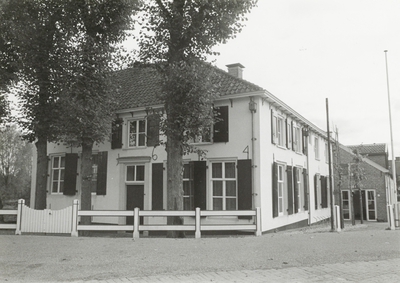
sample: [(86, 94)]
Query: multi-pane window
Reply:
[(280, 131), (280, 188), (316, 147), (204, 137), (297, 139), (137, 133), (299, 186), (326, 153), (135, 173), (188, 200), (57, 174), (346, 204), (224, 185), (95, 168)]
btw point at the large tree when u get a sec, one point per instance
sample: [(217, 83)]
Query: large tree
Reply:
[(177, 35), (88, 103), (51, 46)]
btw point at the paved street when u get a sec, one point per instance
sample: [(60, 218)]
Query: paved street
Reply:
[(361, 253)]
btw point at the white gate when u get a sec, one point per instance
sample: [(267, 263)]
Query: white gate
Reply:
[(46, 221)]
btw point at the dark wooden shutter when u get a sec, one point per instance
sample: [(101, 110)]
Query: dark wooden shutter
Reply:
[(304, 141), (157, 186), (245, 195), (316, 177), (273, 129), (289, 174), (70, 173), (305, 183), (275, 211), (102, 173), (287, 127), (324, 192), (295, 189), (221, 127), (153, 130), (199, 184), (116, 130)]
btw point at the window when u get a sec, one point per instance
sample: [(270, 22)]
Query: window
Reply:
[(299, 188), (279, 131), (297, 139), (317, 191), (188, 199), (94, 172), (280, 188), (346, 204), (224, 186), (288, 135), (316, 147), (326, 153), (204, 137), (137, 133), (135, 173), (57, 174)]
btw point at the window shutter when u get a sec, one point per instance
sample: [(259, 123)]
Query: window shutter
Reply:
[(275, 211), (273, 127), (290, 189), (245, 195), (288, 141), (305, 183), (71, 166), (316, 191), (304, 141), (116, 133), (153, 130), (324, 192), (295, 189), (157, 186), (199, 183), (221, 127), (102, 173)]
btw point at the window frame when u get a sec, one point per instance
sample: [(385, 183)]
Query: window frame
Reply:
[(137, 134), (316, 147), (280, 132), (188, 178), (297, 139), (281, 188), (300, 188), (224, 181), (60, 169), (135, 181)]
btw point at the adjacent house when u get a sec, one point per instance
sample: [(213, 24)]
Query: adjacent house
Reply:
[(376, 152), (261, 153), (377, 189)]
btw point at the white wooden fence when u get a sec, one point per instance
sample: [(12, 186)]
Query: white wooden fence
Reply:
[(67, 220)]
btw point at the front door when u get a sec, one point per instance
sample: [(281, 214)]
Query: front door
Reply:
[(134, 180), (370, 205), (134, 198)]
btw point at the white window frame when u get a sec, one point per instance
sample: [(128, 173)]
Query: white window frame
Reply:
[(61, 174), (135, 181), (280, 131), (199, 139), (348, 199), (281, 188), (189, 180), (224, 180), (297, 139), (299, 188), (326, 153), (137, 134), (316, 147)]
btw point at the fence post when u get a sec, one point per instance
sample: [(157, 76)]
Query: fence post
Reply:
[(337, 214), (197, 233), (397, 215), (258, 221), (74, 230), (21, 202), (136, 223)]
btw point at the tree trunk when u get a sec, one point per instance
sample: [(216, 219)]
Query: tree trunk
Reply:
[(41, 174), (174, 184), (361, 207), (86, 181)]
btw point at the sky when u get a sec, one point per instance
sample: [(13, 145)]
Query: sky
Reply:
[(304, 51)]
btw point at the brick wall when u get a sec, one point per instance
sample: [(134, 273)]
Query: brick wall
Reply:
[(374, 179)]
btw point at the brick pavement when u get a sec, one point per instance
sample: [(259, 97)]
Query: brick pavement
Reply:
[(381, 271)]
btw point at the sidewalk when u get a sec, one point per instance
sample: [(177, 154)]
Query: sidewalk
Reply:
[(384, 271)]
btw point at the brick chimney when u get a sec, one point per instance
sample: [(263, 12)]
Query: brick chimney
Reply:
[(236, 70)]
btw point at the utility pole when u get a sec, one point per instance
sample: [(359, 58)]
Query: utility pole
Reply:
[(391, 195), (330, 168)]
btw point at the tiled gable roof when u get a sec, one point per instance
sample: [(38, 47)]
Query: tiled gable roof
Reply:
[(140, 86), (369, 148)]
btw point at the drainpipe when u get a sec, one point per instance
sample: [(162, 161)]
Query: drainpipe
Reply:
[(253, 110), (308, 176)]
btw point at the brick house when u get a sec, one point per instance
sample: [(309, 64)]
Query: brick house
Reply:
[(261, 153), (376, 152), (377, 187)]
